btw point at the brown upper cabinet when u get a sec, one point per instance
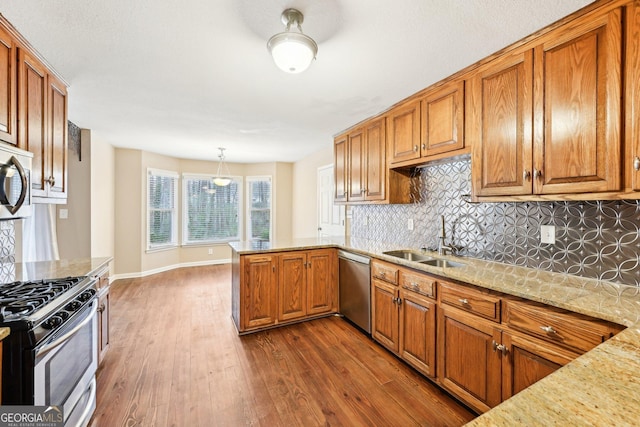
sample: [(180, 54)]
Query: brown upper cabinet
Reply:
[(428, 126), (43, 127), (8, 93), (33, 113), (361, 175), (546, 119), (632, 95)]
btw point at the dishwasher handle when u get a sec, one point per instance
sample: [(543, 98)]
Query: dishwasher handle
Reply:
[(354, 257)]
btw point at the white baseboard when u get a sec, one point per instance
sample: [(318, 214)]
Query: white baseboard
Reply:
[(167, 268)]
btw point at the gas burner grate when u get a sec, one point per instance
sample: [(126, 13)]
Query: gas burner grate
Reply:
[(19, 299)]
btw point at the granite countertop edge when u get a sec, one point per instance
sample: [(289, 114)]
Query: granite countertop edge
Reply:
[(597, 388)]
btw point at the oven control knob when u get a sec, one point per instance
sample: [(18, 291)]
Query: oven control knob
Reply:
[(86, 295), (72, 306), (52, 322)]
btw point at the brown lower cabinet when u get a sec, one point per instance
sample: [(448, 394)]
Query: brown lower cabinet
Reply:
[(283, 287), (486, 346), (404, 320), (103, 324)]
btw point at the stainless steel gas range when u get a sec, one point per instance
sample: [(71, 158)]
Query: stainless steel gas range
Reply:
[(50, 356)]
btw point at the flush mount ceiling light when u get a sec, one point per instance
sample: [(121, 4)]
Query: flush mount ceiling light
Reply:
[(292, 51), (222, 180)]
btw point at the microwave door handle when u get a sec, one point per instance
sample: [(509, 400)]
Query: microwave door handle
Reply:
[(23, 188), (4, 200)]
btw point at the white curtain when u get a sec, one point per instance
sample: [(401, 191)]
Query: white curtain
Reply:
[(40, 239)]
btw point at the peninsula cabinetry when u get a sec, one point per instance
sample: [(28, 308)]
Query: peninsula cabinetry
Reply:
[(283, 287), (404, 314), (545, 119)]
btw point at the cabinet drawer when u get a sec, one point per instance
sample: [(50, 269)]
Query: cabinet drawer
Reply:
[(384, 271), (419, 283), (559, 326), (471, 300)]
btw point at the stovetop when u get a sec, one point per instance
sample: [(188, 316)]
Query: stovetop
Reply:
[(19, 300)]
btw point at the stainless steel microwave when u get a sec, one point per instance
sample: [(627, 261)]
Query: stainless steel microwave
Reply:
[(15, 182)]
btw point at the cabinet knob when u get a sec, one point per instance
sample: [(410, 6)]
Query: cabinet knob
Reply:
[(499, 347), (526, 175), (415, 148), (549, 330), (424, 146), (463, 301), (636, 163), (51, 181), (537, 173)]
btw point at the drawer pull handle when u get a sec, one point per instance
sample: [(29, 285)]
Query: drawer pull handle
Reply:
[(463, 301), (548, 329), (636, 163)]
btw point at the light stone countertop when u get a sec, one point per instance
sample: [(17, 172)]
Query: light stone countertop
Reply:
[(601, 387), (4, 332), (59, 269)]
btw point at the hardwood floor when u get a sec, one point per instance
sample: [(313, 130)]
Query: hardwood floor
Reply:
[(176, 360)]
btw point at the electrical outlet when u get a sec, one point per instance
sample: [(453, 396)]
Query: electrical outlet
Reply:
[(548, 234), (64, 213), (410, 224), (210, 251)]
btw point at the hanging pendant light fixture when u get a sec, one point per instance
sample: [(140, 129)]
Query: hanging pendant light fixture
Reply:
[(222, 180), (292, 51)]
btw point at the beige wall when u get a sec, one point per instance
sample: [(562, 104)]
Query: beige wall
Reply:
[(131, 256), (102, 198), (304, 192), (74, 232)]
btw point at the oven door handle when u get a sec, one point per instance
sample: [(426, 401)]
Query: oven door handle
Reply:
[(87, 410), (48, 347)]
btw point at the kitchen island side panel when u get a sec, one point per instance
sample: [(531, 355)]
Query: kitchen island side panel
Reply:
[(235, 288)]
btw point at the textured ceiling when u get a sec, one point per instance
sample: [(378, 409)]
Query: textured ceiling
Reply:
[(182, 77)]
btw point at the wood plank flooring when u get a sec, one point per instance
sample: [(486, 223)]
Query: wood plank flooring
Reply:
[(176, 360)]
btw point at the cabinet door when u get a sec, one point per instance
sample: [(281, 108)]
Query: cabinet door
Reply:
[(292, 283), (375, 160), (322, 282), (259, 291), (468, 365), (404, 132), (577, 93), (340, 168), (499, 117), (385, 315), (57, 133), (355, 169), (103, 326), (632, 94), (33, 125), (418, 332), (443, 120), (8, 93), (529, 360)]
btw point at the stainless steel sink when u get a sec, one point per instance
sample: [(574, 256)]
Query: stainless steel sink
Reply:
[(423, 259), (409, 255), (442, 263)]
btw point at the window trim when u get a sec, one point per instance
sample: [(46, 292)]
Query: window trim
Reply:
[(185, 210), (174, 211), (248, 180)]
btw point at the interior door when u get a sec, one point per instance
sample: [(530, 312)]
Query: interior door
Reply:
[(331, 217)]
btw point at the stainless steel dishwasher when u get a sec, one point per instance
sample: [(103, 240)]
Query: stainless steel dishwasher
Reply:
[(355, 289)]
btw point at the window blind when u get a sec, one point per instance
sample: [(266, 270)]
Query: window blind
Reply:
[(210, 212), (259, 208), (162, 193)]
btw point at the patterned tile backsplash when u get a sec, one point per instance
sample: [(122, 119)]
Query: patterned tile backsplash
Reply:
[(598, 239), (7, 251)]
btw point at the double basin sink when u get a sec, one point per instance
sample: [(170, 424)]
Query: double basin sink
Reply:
[(423, 259)]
